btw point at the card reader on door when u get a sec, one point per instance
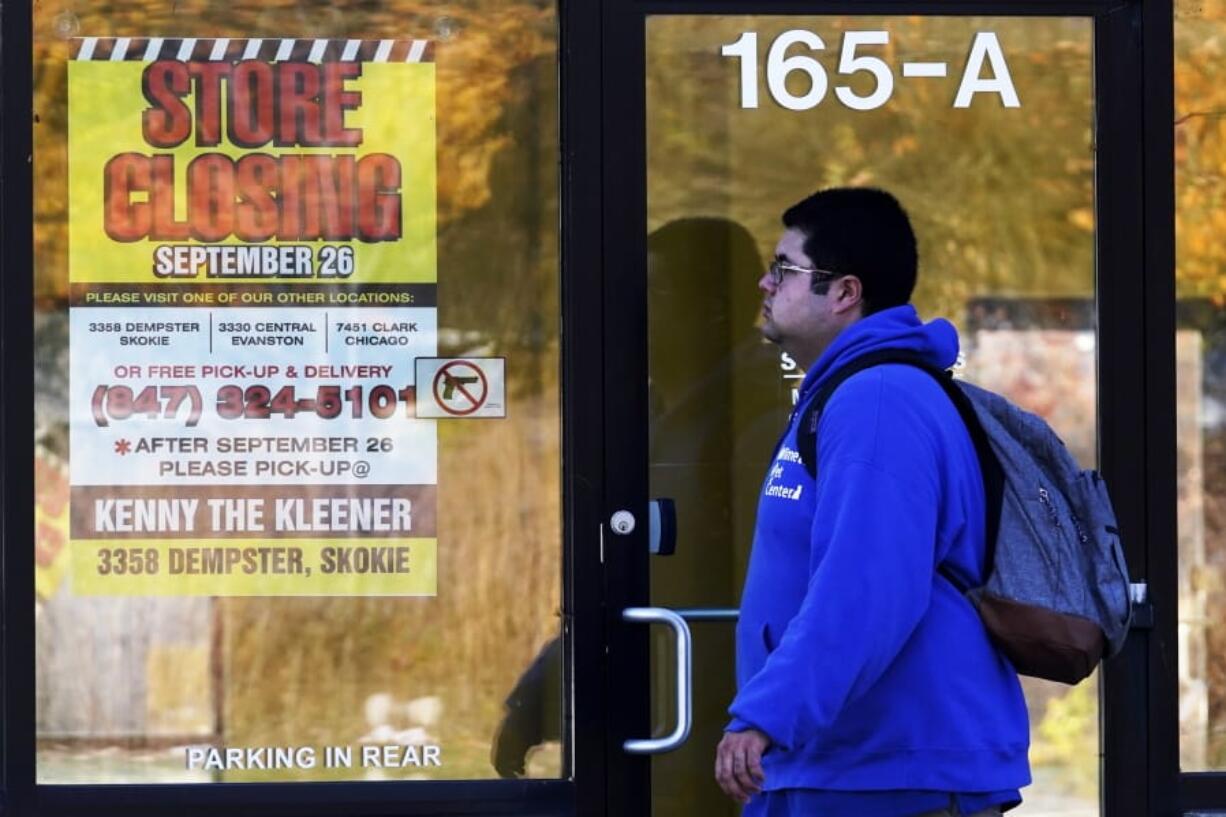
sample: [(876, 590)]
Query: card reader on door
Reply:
[(662, 540)]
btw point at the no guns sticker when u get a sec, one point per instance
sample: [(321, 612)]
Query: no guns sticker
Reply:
[(469, 387)]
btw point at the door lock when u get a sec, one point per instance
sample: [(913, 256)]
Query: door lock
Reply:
[(622, 523)]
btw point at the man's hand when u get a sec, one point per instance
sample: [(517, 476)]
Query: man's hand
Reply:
[(738, 763)]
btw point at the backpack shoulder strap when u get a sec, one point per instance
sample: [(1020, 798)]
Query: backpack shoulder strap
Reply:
[(993, 474), (806, 433)]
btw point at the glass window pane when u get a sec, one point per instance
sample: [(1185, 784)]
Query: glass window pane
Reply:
[(1003, 203), (1200, 350), (298, 442)]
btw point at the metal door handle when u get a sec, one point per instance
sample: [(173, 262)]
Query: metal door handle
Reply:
[(681, 630), (709, 613)]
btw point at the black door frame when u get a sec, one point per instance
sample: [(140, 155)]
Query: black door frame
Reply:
[(1135, 294)]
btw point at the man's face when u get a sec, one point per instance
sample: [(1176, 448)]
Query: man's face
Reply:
[(793, 316)]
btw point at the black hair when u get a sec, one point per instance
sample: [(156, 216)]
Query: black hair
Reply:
[(859, 231)]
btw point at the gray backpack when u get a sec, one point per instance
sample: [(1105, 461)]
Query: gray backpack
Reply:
[(1055, 599)]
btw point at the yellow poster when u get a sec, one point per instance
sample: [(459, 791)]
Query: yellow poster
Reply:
[(252, 251)]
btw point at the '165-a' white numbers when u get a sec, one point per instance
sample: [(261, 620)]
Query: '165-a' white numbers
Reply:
[(779, 65)]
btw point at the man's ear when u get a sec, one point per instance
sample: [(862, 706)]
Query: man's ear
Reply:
[(847, 292)]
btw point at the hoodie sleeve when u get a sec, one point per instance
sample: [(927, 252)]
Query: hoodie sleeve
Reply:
[(873, 552)]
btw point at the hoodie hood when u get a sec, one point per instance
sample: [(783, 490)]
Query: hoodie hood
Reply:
[(898, 327)]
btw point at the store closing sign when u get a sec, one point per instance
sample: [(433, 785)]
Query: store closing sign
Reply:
[(253, 272)]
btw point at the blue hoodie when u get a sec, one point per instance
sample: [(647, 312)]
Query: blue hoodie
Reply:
[(868, 670)]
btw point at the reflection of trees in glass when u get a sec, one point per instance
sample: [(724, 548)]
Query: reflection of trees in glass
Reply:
[(298, 671), (1201, 401), (1200, 220), (1066, 734), (1211, 578), (1200, 148), (1002, 198)]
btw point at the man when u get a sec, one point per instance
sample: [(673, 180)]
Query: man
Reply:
[(867, 683)]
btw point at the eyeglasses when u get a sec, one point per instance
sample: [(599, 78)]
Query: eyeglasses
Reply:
[(778, 268)]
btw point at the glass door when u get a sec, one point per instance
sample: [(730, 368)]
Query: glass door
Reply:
[(984, 128)]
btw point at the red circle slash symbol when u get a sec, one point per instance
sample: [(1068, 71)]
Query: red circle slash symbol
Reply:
[(460, 388)]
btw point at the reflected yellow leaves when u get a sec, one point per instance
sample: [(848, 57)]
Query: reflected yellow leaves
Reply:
[(1082, 218), (904, 145), (475, 88), (1200, 149), (1200, 275), (1012, 189), (1067, 737)]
